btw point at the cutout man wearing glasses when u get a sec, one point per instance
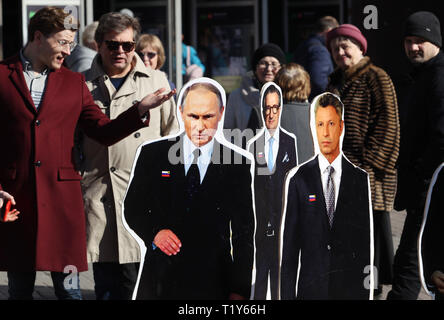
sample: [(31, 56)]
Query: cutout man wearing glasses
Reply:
[(117, 79), (274, 150)]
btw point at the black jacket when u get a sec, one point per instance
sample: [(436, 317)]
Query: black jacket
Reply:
[(432, 252), (421, 105), (216, 230), (332, 261)]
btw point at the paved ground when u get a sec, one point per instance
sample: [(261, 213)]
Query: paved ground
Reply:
[(44, 291)]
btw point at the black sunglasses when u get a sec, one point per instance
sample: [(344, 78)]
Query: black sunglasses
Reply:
[(150, 55), (127, 46)]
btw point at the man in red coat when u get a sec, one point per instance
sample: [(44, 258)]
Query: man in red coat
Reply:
[(41, 103)]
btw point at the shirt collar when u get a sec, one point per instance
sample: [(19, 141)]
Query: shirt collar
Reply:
[(275, 136), (336, 164), (27, 65), (189, 147)]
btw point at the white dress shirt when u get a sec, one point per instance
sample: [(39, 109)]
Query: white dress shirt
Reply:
[(336, 175), (275, 144), (204, 159)]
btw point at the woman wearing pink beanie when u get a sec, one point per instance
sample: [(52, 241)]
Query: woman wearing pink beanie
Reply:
[(371, 139)]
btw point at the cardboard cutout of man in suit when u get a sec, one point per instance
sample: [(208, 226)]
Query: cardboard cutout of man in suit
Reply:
[(190, 202), (327, 245), (275, 153), (431, 255)]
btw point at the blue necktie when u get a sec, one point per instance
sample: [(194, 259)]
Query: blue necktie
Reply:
[(270, 154)]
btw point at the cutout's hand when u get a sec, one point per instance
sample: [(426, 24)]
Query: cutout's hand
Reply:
[(167, 241)]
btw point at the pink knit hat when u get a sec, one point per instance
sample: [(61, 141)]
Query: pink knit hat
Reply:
[(347, 30)]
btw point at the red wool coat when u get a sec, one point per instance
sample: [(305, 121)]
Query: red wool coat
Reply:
[(36, 167)]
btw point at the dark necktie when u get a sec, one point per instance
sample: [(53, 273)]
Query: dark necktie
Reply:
[(330, 196), (193, 177)]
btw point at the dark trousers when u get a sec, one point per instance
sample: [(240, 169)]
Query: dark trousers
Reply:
[(114, 281), (406, 283), (267, 267), (383, 248), (21, 285)]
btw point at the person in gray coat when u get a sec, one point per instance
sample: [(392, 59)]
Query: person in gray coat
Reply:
[(294, 82)]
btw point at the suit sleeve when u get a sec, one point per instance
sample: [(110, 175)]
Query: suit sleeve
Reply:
[(432, 253), (435, 124), (290, 245), (99, 127), (242, 226), (136, 203)]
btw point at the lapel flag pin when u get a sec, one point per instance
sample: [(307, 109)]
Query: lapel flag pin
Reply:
[(312, 197), (166, 174), (260, 154)]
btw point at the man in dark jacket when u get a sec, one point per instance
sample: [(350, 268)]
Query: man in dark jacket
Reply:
[(422, 142), (313, 55)]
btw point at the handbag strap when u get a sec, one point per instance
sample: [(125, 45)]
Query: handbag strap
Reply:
[(188, 56)]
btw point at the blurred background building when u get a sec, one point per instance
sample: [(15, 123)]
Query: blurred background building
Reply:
[(225, 33)]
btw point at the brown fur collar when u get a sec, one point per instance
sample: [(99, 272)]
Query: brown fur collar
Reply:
[(355, 71)]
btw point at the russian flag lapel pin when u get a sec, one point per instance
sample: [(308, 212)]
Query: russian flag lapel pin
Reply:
[(166, 174)]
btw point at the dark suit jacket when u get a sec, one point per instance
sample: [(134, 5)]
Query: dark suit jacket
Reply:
[(332, 261), (432, 252), (268, 185), (204, 268)]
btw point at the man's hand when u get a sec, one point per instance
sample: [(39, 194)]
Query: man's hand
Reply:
[(167, 241), (438, 280), (154, 100), (4, 197), (11, 215)]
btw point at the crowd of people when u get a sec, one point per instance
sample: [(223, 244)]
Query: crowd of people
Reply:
[(89, 167)]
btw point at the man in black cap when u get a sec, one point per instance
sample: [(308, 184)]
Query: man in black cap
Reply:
[(422, 142)]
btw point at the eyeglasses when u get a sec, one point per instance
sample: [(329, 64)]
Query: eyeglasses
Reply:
[(275, 109), (127, 46), (64, 43), (265, 65), (150, 55)]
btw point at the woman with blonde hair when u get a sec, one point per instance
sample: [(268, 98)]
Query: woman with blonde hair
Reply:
[(295, 84), (150, 50)]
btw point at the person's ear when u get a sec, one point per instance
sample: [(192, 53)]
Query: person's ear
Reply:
[(221, 112), (38, 36)]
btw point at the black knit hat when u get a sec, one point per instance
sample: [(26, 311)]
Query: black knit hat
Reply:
[(268, 50), (425, 25)]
